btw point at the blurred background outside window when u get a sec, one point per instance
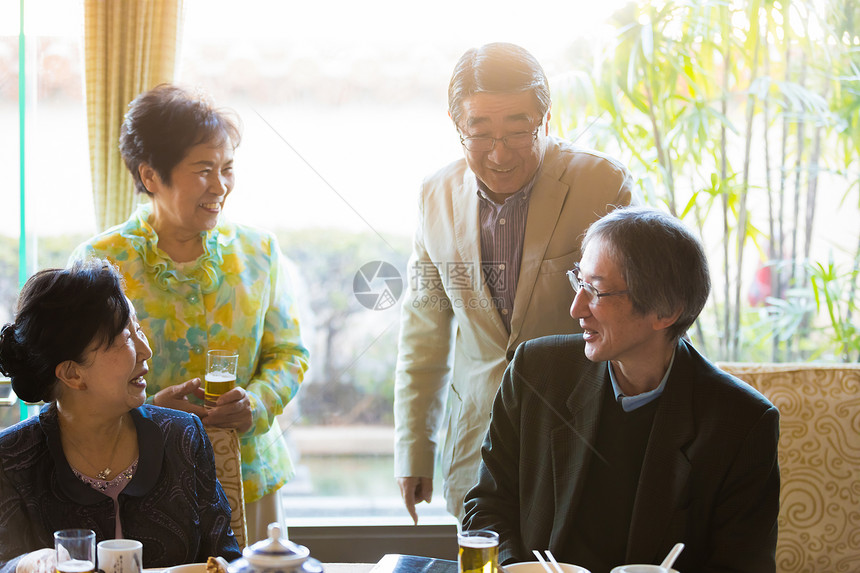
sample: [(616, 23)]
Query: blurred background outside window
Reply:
[(344, 111)]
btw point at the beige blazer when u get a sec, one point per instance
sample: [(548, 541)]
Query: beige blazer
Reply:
[(451, 335)]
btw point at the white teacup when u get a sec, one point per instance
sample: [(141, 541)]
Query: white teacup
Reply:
[(120, 556)]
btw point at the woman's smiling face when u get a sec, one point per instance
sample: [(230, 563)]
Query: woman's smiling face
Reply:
[(199, 184), (113, 373)]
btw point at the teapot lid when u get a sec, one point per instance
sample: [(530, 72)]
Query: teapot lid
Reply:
[(275, 552)]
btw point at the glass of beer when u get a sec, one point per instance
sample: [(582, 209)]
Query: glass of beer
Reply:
[(479, 551), (220, 375), (76, 550)]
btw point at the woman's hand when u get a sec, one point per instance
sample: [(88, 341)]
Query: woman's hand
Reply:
[(176, 397), (40, 561), (232, 410)]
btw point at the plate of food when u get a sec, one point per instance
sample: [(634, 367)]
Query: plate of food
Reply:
[(187, 568), (212, 565)]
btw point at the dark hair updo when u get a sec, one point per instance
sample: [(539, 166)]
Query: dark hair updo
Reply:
[(60, 313)]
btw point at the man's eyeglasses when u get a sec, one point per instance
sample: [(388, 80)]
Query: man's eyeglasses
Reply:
[(519, 140), (579, 284)]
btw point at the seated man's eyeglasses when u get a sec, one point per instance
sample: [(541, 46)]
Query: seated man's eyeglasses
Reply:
[(518, 140), (579, 284)]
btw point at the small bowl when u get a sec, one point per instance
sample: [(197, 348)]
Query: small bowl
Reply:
[(188, 568), (639, 568), (536, 567)]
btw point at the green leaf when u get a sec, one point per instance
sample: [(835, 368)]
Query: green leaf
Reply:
[(647, 39)]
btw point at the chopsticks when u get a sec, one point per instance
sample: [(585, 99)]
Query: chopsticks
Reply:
[(552, 560), (556, 568)]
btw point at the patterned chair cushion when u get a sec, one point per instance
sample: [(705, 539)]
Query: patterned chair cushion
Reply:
[(819, 459), (228, 468)]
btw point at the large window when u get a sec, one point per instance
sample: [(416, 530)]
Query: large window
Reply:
[(344, 112), (57, 201), (343, 107)]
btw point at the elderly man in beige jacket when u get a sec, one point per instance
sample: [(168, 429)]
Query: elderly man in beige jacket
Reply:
[(496, 233)]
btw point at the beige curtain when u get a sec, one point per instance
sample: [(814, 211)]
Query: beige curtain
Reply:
[(131, 46)]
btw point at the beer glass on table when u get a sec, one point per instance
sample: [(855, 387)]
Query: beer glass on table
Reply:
[(220, 375), (76, 550), (479, 551)]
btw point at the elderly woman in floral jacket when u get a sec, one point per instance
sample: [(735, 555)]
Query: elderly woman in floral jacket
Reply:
[(202, 283)]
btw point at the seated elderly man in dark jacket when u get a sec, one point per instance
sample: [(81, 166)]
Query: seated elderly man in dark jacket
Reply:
[(609, 447)]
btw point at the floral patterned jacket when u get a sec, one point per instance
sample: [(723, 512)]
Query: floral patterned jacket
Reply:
[(173, 504), (235, 296)]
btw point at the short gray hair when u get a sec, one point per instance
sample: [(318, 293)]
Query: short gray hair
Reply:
[(497, 68), (662, 261), (164, 123)]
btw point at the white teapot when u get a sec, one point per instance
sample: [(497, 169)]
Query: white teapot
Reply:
[(275, 555)]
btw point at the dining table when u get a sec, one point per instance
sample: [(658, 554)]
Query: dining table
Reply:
[(389, 563), (327, 567)]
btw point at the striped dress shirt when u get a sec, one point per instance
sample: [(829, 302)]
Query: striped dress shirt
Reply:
[(503, 229)]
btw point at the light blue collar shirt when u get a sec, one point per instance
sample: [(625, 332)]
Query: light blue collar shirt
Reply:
[(630, 403)]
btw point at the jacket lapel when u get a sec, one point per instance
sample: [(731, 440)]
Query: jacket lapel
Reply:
[(664, 479), (545, 205), (467, 234), (572, 446)]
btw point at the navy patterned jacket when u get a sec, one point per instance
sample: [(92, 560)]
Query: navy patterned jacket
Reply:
[(174, 504)]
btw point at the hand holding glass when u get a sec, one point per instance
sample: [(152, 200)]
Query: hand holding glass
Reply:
[(76, 550), (220, 375)]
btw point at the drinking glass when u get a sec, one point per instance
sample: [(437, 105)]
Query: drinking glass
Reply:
[(479, 551), (220, 375), (76, 550)]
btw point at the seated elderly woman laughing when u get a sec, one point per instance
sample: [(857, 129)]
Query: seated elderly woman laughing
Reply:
[(96, 457)]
